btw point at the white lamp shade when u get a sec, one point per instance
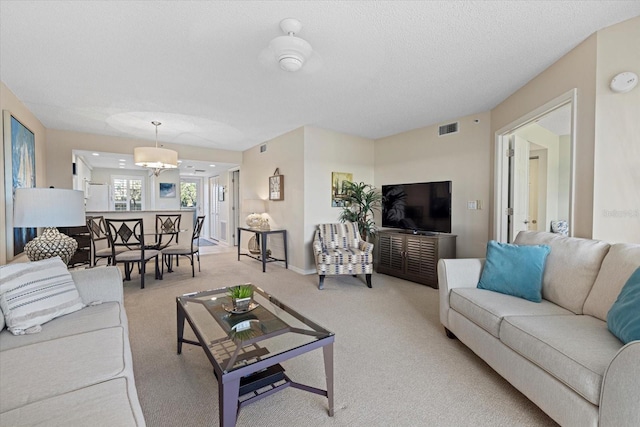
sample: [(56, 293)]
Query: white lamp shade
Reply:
[(253, 206), (155, 157), (48, 207)]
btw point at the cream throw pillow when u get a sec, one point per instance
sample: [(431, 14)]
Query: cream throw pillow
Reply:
[(34, 293)]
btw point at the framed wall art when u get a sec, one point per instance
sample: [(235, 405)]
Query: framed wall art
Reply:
[(167, 190), (276, 186), (20, 170), (338, 192)]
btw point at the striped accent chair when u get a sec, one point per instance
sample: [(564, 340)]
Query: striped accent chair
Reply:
[(338, 249)]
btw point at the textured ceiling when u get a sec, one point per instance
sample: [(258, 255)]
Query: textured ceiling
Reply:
[(110, 67)]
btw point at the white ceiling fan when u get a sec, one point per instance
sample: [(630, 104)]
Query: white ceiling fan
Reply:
[(290, 52)]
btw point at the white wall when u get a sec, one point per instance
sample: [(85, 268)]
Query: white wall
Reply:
[(464, 158), (616, 207), (327, 151)]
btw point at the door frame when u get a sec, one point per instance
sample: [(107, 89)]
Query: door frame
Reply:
[(501, 164)]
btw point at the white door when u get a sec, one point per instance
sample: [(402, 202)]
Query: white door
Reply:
[(214, 217), (533, 193), (519, 188)]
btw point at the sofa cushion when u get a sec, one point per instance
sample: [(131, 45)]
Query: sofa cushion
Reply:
[(621, 261), (514, 270), (486, 308), (34, 293), (574, 349), (623, 319), (39, 371), (104, 404), (88, 319), (571, 269)]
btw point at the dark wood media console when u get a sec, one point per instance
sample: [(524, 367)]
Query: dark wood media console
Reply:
[(412, 256)]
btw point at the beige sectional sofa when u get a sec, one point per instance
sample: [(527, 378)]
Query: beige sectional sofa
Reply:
[(78, 370), (559, 352)]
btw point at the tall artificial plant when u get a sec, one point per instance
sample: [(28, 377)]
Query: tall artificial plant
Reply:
[(362, 200)]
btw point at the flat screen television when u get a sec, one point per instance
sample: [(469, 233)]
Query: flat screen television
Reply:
[(419, 207)]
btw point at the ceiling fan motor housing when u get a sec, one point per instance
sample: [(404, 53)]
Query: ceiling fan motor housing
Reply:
[(291, 52)]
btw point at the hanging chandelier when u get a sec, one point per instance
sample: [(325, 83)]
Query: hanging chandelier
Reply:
[(156, 158)]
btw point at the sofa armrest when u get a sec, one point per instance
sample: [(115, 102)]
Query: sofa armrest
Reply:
[(456, 273), (621, 388), (99, 284)]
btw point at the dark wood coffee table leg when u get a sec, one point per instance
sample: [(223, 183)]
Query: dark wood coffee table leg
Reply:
[(328, 372), (228, 403)]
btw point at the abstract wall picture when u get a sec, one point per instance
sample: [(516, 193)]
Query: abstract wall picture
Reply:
[(167, 190), (23, 172)]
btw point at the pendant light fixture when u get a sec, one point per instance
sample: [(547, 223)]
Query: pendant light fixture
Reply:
[(156, 158)]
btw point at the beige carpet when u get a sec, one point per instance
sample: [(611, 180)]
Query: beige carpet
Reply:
[(393, 364)]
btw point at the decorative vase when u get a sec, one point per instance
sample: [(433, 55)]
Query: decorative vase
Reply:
[(241, 304), (51, 243)]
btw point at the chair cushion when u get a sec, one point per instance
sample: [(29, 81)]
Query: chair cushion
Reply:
[(180, 250), (136, 255), (514, 270), (576, 350), (571, 268), (344, 256), (34, 293), (621, 261), (339, 235), (623, 319), (487, 308)]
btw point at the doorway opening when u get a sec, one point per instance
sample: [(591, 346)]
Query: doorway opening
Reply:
[(534, 171)]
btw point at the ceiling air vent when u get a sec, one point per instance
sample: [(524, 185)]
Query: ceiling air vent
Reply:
[(200, 170), (263, 148), (448, 128)]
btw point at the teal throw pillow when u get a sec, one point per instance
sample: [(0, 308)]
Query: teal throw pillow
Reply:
[(514, 269), (623, 319)]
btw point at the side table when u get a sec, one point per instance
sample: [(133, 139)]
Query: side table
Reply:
[(261, 237)]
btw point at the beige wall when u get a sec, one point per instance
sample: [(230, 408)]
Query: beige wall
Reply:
[(577, 69), (464, 158), (9, 102), (60, 145), (327, 151), (285, 152), (306, 157), (616, 204)]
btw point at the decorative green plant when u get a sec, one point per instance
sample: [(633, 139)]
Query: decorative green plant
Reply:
[(362, 200), (240, 291)]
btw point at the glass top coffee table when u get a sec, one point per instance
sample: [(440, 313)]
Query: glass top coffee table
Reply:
[(246, 348)]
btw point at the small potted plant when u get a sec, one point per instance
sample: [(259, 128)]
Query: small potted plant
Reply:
[(241, 297)]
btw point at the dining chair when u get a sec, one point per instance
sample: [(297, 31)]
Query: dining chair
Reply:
[(190, 251), (100, 238), (128, 234)]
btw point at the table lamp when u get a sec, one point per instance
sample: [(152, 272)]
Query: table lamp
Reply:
[(49, 208), (255, 207)]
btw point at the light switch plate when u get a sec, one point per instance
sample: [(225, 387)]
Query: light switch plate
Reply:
[(472, 204)]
